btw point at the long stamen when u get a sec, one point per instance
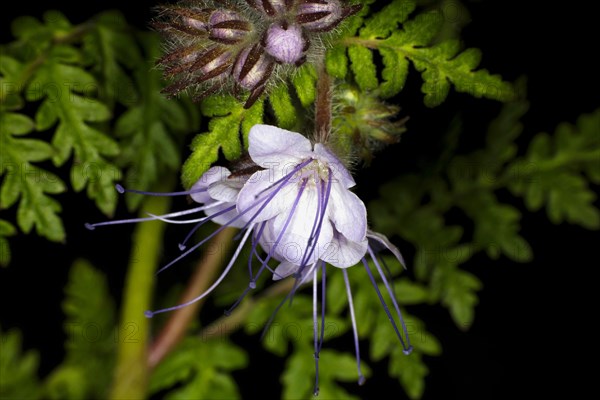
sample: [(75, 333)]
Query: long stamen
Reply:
[(283, 181), (315, 330), (182, 245), (153, 217), (283, 229), (150, 314), (122, 190), (274, 313), (323, 283), (385, 307), (252, 283), (255, 240), (325, 200), (286, 177), (408, 348), (361, 377)]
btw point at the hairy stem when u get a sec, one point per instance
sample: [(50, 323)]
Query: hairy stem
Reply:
[(323, 105), (131, 373), (174, 329)]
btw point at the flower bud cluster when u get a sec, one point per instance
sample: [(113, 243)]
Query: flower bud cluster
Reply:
[(232, 45)]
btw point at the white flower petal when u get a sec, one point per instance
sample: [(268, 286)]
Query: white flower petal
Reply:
[(382, 240), (226, 190), (214, 174), (340, 173), (272, 147), (344, 253), (348, 213), (260, 186), (225, 218), (284, 269)]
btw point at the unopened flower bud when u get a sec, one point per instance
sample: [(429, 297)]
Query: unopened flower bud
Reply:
[(285, 43), (228, 27)]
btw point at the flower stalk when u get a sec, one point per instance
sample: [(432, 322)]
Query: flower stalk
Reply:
[(131, 373)]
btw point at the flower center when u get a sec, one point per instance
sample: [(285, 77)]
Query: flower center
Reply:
[(314, 173)]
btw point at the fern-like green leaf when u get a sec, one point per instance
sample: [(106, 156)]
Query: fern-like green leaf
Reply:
[(201, 370), (441, 64), (457, 291), (111, 50), (551, 174), (225, 132), (18, 372), (61, 87), (27, 182), (281, 103), (148, 128)]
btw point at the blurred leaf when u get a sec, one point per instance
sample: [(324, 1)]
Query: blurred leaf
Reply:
[(91, 337), (18, 372), (148, 128), (551, 174), (201, 369)]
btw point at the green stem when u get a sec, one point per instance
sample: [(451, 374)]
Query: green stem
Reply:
[(131, 373)]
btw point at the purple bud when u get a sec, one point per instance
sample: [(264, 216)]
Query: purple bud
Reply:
[(213, 63), (252, 68), (228, 27), (272, 8), (285, 43), (322, 15)]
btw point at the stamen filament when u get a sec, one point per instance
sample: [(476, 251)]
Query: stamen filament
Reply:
[(361, 377), (122, 190), (315, 333), (408, 347), (150, 314), (385, 307)]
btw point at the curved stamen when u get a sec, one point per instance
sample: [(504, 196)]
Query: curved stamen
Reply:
[(186, 212), (361, 377), (240, 215), (255, 240), (385, 307), (252, 283), (177, 221), (163, 217), (182, 245), (150, 314), (315, 330), (323, 288), (122, 190), (290, 294), (324, 200), (408, 347)]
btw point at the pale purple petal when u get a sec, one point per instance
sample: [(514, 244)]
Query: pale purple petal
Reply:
[(382, 240), (284, 269), (272, 147), (348, 213), (344, 253), (340, 173), (226, 218), (226, 190), (214, 174), (259, 186)]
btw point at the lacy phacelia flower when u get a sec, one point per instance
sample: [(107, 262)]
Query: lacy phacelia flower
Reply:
[(238, 44), (296, 205)]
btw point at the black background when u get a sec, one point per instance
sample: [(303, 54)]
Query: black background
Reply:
[(534, 324)]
